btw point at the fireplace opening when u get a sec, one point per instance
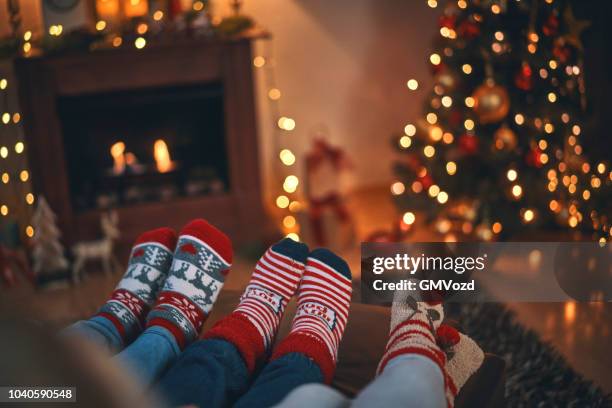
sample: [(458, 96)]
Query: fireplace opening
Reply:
[(149, 145)]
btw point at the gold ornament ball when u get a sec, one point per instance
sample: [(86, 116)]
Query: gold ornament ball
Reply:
[(505, 139), (491, 102)]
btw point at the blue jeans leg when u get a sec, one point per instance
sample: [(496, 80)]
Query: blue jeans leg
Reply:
[(97, 330), (408, 381), (314, 395), (279, 378), (150, 355), (209, 373)]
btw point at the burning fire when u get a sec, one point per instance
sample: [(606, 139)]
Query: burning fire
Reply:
[(117, 151), (162, 156)]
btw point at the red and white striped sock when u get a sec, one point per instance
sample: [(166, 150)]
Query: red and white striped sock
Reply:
[(252, 327), (324, 298)]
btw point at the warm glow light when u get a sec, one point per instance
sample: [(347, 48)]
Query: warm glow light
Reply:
[(142, 28), (549, 128), (3, 152), (417, 186), (451, 167), (469, 102), (495, 9), (100, 25), (435, 59), (432, 118), (496, 227), (432, 3), (435, 133), (289, 221), (467, 68), (198, 5), (117, 151), (429, 151), (140, 43), (6, 178), (410, 129), (161, 154), (447, 101), (4, 210), (405, 142), (511, 174), (27, 36), (158, 15), (442, 197), (468, 124), (29, 231), (286, 123), (29, 198), (517, 190), (295, 206), (282, 201), (3, 83), (576, 130), (117, 41), (552, 64), (409, 218), (398, 188), (433, 190), (601, 168), (6, 117), (528, 215), (499, 36), (274, 94), (287, 157), (16, 117), (259, 61), (552, 97), (293, 236), (291, 183), (586, 194), (462, 4), (19, 147), (24, 175), (412, 84)]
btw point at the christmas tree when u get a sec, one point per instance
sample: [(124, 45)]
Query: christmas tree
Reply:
[(498, 150), (48, 252)]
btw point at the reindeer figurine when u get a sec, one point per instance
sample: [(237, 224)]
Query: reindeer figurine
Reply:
[(101, 249)]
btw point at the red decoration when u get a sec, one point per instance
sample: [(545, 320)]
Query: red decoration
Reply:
[(534, 157), (524, 78), (562, 51), (138, 253), (468, 30), (448, 21), (468, 144), (551, 26), (189, 248), (447, 336), (426, 181)]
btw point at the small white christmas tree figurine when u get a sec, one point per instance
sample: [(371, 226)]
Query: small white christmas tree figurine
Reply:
[(48, 252)]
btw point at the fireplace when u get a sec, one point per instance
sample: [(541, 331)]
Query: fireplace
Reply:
[(162, 135), (130, 147)]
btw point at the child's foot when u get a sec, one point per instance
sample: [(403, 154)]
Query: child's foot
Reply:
[(201, 261), (136, 292), (324, 298), (252, 327)]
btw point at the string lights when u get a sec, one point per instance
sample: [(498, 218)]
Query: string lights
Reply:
[(286, 201)]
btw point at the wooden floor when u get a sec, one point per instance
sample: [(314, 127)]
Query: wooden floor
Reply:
[(581, 332)]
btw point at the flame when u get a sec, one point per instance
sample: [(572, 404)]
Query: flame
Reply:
[(117, 152), (162, 156)]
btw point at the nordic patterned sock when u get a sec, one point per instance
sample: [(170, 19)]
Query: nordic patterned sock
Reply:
[(412, 329), (464, 357), (252, 327), (201, 262), (324, 298), (136, 292)]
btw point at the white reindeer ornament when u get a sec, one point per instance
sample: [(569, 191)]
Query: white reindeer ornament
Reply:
[(101, 249)]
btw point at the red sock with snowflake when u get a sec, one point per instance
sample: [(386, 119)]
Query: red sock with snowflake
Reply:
[(135, 294), (252, 327), (201, 262), (324, 298)]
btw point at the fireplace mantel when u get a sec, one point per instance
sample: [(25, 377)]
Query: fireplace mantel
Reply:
[(42, 80)]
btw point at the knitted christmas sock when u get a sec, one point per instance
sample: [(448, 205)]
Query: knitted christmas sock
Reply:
[(252, 327), (136, 292), (463, 355), (202, 259), (324, 297)]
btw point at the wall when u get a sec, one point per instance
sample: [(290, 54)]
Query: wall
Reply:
[(344, 65)]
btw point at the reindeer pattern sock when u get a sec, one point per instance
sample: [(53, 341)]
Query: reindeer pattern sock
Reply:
[(252, 327), (324, 298), (201, 262), (135, 294)]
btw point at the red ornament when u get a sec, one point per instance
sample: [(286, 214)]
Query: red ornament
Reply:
[(426, 181), (468, 30), (562, 51), (534, 157), (468, 144), (447, 336), (448, 22), (551, 26), (524, 78)]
